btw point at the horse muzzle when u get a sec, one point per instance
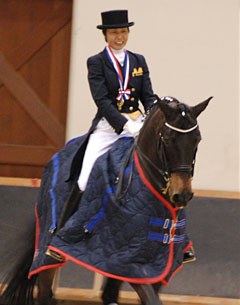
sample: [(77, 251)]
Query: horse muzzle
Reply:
[(180, 189), (181, 199)]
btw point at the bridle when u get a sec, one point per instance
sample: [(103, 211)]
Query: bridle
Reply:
[(182, 167), (158, 169), (181, 130), (165, 171), (152, 170)]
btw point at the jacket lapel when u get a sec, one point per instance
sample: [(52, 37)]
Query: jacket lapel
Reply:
[(131, 64)]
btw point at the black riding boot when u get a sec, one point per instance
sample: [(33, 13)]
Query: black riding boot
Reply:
[(70, 207)]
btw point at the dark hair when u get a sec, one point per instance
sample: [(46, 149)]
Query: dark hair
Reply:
[(104, 31)]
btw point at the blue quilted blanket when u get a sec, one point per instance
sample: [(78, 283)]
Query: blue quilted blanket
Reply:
[(138, 238)]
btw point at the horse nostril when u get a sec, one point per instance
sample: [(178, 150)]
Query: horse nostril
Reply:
[(181, 199), (176, 198)]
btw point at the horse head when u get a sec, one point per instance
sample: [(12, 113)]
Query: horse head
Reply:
[(167, 147)]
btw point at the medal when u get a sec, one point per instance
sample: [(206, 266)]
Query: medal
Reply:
[(120, 104), (123, 92)]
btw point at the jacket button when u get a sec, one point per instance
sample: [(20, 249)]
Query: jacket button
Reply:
[(132, 99), (133, 89), (131, 108)]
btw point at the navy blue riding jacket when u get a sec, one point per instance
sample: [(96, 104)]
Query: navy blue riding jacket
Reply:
[(104, 86)]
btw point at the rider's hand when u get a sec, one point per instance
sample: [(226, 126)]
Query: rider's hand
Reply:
[(133, 127)]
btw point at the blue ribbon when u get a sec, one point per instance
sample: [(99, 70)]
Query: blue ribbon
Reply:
[(52, 192), (95, 219)]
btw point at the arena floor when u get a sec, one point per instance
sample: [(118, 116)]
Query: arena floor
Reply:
[(214, 279)]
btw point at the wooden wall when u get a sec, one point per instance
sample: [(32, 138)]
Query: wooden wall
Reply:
[(34, 67)]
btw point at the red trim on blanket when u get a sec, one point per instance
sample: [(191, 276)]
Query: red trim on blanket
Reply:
[(158, 195), (164, 282), (37, 233), (118, 277), (40, 269), (152, 189), (153, 280), (167, 205), (160, 278), (189, 245)]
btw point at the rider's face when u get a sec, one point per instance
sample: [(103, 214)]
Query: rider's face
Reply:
[(117, 38)]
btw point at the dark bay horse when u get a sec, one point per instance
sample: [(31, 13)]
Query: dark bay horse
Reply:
[(164, 156)]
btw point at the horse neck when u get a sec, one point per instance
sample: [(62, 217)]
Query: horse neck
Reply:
[(148, 137), (147, 144)]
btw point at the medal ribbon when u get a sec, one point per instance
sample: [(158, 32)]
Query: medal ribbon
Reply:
[(124, 93)]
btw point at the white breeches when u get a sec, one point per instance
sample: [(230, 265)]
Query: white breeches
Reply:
[(100, 141)]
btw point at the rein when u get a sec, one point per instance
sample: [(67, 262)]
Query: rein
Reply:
[(145, 161), (149, 165), (144, 157), (165, 172), (119, 192)]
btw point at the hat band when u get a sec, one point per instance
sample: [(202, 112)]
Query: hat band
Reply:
[(114, 26)]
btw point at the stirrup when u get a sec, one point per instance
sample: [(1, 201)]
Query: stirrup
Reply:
[(189, 256), (54, 255)]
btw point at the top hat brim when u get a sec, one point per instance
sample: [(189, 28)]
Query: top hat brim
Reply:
[(115, 26)]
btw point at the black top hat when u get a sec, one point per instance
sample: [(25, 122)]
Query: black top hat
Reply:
[(115, 19)]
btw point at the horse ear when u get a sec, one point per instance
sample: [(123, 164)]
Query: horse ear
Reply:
[(196, 110), (169, 112)]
